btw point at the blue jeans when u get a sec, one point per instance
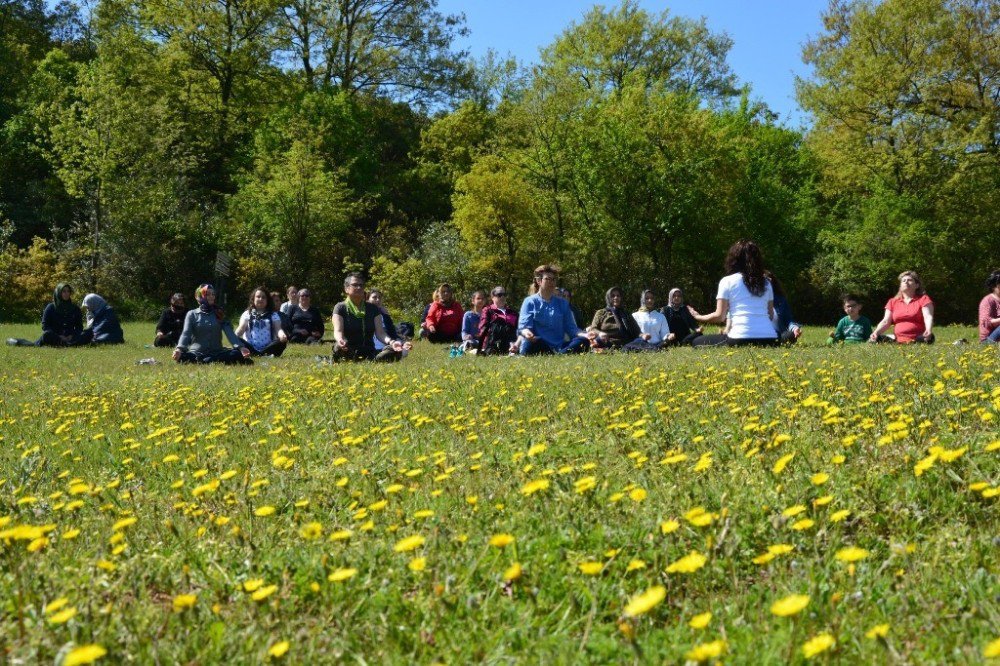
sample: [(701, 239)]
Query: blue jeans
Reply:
[(538, 346), (994, 336)]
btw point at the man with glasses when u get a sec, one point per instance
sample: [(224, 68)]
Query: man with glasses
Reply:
[(547, 321), (307, 322), (356, 324)]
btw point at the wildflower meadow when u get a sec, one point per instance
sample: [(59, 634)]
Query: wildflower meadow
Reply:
[(836, 505)]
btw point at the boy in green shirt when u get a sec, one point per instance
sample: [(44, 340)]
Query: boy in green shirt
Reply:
[(854, 327)]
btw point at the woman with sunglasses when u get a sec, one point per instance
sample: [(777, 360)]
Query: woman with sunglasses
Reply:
[(497, 325)]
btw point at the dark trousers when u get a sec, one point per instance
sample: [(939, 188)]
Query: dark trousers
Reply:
[(226, 356), (275, 349), (721, 340), (538, 346), (52, 339), (168, 340), (439, 337), (303, 336), (387, 355)]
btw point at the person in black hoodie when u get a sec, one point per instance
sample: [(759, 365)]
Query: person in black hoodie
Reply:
[(679, 318), (168, 329), (104, 327), (62, 322), (307, 322)]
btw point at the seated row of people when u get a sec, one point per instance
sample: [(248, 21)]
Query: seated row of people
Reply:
[(62, 322)]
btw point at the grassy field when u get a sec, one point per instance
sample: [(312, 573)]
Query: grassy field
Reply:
[(750, 506)]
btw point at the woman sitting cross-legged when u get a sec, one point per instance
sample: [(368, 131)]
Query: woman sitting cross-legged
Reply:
[(260, 326), (104, 327), (654, 332), (355, 320), (201, 339), (683, 327), (546, 323), (497, 326), (307, 322), (168, 329), (745, 296), (910, 312), (444, 317), (613, 325), (388, 325)]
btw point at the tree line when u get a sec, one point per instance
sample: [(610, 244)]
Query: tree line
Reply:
[(306, 138)]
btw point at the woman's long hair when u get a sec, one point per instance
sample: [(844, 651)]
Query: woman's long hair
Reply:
[(267, 297), (744, 257)]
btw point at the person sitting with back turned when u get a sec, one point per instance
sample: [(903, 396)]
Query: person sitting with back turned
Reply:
[(104, 327), (260, 327), (168, 329), (355, 320), (307, 322), (201, 339), (546, 319), (745, 294)]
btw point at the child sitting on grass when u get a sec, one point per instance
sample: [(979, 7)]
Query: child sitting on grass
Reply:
[(853, 328)]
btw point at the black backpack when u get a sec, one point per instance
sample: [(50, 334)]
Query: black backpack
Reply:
[(497, 336)]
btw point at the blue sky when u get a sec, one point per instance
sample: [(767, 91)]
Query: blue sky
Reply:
[(768, 35)]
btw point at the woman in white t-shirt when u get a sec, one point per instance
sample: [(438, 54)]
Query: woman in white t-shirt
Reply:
[(652, 323), (745, 296), (260, 327)]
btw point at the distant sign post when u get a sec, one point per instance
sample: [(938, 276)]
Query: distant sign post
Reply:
[(223, 266)]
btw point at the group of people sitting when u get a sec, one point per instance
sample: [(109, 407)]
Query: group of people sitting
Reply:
[(750, 305)]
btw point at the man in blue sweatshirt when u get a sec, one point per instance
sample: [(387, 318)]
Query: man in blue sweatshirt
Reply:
[(546, 320)]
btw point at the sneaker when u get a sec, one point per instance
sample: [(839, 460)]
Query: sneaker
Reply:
[(13, 342)]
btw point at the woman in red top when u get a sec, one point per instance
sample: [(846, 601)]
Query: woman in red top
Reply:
[(989, 310), (911, 312), (444, 319)]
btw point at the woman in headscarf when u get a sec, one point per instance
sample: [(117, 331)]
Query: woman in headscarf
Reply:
[(613, 325), (62, 322), (103, 325), (679, 318), (168, 329), (201, 339), (260, 327)]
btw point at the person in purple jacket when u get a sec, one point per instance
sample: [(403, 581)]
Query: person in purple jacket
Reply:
[(547, 321)]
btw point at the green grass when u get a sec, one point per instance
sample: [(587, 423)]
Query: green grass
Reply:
[(323, 444)]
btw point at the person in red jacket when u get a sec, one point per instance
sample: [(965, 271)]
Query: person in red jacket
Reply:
[(444, 319)]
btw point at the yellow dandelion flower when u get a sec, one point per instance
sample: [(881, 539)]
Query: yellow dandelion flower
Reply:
[(782, 462), (818, 645), (63, 616), (819, 478), (512, 573), (637, 495), (635, 565), (341, 535), (669, 526), (535, 486), (253, 584), (339, 575), (643, 603), (689, 563), (839, 515), (700, 621), (793, 511), (790, 605), (409, 543), (501, 540), (264, 511), (851, 554), (184, 601), (591, 568), (264, 592), (279, 649), (55, 605), (122, 524), (311, 531), (878, 631), (992, 649), (706, 651), (417, 564), (803, 524), (85, 654)]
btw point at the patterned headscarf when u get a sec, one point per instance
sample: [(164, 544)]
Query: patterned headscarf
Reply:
[(201, 296)]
